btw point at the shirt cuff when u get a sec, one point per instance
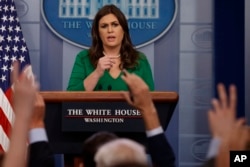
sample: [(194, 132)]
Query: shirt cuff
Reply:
[(154, 131), (37, 135), (213, 148)]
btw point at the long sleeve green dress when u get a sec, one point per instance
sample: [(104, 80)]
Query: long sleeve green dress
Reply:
[(83, 67)]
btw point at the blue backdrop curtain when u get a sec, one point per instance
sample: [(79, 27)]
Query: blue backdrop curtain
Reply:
[(229, 47)]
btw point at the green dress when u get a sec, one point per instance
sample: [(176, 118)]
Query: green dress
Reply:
[(83, 67)]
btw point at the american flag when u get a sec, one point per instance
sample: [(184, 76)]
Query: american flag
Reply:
[(12, 48)]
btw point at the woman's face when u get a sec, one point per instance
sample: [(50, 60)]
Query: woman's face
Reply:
[(110, 30)]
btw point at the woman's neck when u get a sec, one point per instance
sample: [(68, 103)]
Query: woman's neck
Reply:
[(111, 51), (113, 55)]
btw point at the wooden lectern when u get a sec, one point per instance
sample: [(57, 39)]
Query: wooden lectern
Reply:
[(71, 117)]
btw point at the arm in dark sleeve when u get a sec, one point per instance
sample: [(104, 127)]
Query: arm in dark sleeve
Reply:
[(209, 163), (161, 151), (40, 155)]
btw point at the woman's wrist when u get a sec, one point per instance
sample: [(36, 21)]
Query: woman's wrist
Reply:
[(98, 73)]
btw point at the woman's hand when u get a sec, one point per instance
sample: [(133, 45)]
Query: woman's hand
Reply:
[(105, 63)]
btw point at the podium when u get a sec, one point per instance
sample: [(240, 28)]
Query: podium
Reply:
[(71, 117)]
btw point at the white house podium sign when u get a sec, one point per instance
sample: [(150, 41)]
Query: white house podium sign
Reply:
[(71, 117)]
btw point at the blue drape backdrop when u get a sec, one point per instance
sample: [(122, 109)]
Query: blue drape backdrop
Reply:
[(229, 50)]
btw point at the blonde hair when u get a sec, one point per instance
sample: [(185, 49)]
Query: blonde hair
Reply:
[(121, 151)]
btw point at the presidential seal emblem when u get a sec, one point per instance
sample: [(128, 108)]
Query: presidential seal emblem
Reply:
[(71, 20)]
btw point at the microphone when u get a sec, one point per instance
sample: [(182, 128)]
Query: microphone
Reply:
[(109, 87), (100, 87)]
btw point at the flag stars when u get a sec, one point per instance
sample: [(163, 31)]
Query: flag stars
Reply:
[(18, 29), (3, 28), (24, 49), (12, 44), (15, 49), (5, 8), (4, 68), (11, 19), (23, 40), (4, 18), (1, 38), (3, 78), (7, 48), (6, 58), (9, 38), (13, 58), (10, 28), (22, 59), (11, 68), (16, 39), (12, 8)]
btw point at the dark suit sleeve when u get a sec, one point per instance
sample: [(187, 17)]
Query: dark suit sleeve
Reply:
[(161, 152), (40, 155), (209, 163)]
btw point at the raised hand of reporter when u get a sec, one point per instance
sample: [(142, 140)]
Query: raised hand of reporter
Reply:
[(139, 94), (24, 92)]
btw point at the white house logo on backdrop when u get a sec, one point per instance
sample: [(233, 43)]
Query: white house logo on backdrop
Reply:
[(22, 8), (199, 149), (71, 20), (202, 37)]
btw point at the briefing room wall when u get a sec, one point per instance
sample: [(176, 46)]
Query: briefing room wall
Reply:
[(195, 79), (181, 61), (30, 23)]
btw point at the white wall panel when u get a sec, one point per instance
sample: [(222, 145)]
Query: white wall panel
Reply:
[(28, 10), (35, 61), (196, 65), (196, 37), (195, 80), (196, 11), (31, 33)]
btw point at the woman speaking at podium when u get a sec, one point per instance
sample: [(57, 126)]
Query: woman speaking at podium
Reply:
[(100, 67)]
